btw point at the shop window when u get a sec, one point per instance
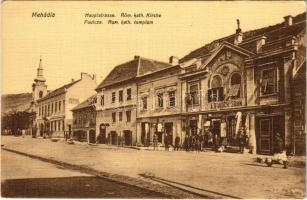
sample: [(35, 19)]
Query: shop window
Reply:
[(267, 82), (160, 100), (216, 93), (113, 97), (144, 103), (235, 87), (120, 116), (129, 94), (172, 99), (113, 117), (128, 115), (120, 96)]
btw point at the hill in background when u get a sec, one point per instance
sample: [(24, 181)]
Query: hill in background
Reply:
[(15, 102)]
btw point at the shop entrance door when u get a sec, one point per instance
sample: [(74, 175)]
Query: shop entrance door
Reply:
[(128, 137), (216, 127), (267, 128), (231, 131), (102, 135), (92, 136), (113, 138), (169, 132), (216, 130), (193, 126), (145, 133)]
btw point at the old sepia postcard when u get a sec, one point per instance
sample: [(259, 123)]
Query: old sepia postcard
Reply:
[(153, 99)]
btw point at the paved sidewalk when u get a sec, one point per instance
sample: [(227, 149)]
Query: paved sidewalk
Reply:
[(224, 173)]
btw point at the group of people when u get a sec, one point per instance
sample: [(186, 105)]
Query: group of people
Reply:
[(204, 139)]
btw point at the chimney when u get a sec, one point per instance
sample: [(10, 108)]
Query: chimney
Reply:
[(72, 80), (136, 57), (85, 75), (174, 60), (239, 34), (94, 77), (288, 20), (260, 43)]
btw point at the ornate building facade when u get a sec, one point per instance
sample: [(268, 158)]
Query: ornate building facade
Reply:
[(245, 79), (251, 82)]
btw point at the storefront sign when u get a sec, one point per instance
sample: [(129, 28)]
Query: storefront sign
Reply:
[(225, 104)]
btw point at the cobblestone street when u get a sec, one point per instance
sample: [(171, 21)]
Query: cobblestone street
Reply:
[(233, 175)]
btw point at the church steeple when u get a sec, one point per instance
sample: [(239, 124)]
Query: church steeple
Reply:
[(39, 88), (40, 76)]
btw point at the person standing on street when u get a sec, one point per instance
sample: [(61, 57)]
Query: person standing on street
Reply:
[(177, 141), (155, 142), (241, 140), (187, 142), (166, 142)]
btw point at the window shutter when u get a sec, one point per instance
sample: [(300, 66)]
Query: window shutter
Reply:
[(221, 93)]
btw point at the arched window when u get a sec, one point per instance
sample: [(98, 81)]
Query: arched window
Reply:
[(216, 82), (235, 79), (216, 91), (235, 86), (40, 94)]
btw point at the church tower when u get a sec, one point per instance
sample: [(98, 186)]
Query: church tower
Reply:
[(39, 88)]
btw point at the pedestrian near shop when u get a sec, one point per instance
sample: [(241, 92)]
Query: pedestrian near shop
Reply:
[(177, 142), (241, 140), (206, 137), (187, 142), (201, 141), (198, 143), (166, 142), (215, 142), (155, 142)]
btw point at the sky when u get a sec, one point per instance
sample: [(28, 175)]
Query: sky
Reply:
[(68, 46)]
